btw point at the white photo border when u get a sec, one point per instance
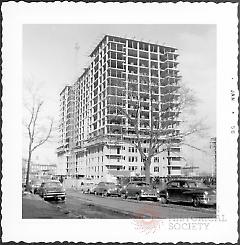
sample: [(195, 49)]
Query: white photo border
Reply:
[(224, 15)]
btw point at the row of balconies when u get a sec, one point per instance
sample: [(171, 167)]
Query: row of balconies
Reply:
[(132, 78), (145, 56), (143, 133), (145, 74), (149, 48), (119, 72), (132, 44), (162, 66)]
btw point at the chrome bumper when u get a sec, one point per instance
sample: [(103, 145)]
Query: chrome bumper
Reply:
[(209, 200), (144, 195), (55, 194)]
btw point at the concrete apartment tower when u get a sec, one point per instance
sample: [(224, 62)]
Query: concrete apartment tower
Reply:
[(125, 79)]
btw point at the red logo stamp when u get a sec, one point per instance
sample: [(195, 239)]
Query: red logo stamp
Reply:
[(147, 220)]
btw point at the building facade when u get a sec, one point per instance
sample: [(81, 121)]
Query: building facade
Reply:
[(213, 147), (127, 83), (38, 171)]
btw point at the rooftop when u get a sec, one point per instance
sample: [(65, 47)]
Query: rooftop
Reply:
[(145, 42)]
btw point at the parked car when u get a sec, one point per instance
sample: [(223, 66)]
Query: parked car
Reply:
[(23, 187), (107, 189), (52, 189), (88, 187), (140, 190), (123, 190), (191, 191), (27, 189), (35, 186), (92, 189)]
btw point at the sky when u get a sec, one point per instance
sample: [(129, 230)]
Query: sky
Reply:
[(51, 62)]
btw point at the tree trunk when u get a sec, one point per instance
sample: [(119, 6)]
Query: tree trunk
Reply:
[(147, 164), (28, 170), (168, 161)]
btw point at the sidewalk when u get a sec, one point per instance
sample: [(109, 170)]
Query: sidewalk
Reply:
[(34, 207)]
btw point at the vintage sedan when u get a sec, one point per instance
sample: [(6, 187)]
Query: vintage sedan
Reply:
[(88, 187), (92, 189), (191, 191), (36, 187), (140, 190), (52, 189), (107, 189)]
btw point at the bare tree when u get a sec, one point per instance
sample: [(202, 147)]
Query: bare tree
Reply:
[(37, 133), (159, 132)]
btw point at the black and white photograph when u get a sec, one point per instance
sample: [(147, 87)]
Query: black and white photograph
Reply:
[(120, 126), (127, 125)]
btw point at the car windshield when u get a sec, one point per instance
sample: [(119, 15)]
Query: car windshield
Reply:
[(196, 184), (53, 184), (142, 184)]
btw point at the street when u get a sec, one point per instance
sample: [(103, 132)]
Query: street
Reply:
[(79, 205)]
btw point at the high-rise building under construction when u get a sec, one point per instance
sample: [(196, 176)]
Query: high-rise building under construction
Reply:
[(129, 92)]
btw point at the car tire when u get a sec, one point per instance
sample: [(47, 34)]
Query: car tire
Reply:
[(196, 202), (163, 200), (63, 198), (155, 199), (106, 194), (138, 197), (124, 196)]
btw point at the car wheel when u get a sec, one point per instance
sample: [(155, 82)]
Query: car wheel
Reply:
[(138, 197), (196, 202), (124, 196), (163, 200), (63, 198), (155, 199), (105, 194)]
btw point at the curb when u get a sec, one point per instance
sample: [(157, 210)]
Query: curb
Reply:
[(158, 204)]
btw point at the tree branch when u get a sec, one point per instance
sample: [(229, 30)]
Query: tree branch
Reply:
[(35, 118), (45, 139)]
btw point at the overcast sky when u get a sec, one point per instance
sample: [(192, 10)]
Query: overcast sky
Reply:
[(49, 59)]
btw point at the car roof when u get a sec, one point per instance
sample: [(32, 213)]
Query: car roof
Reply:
[(137, 182), (51, 181), (106, 182), (184, 180)]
